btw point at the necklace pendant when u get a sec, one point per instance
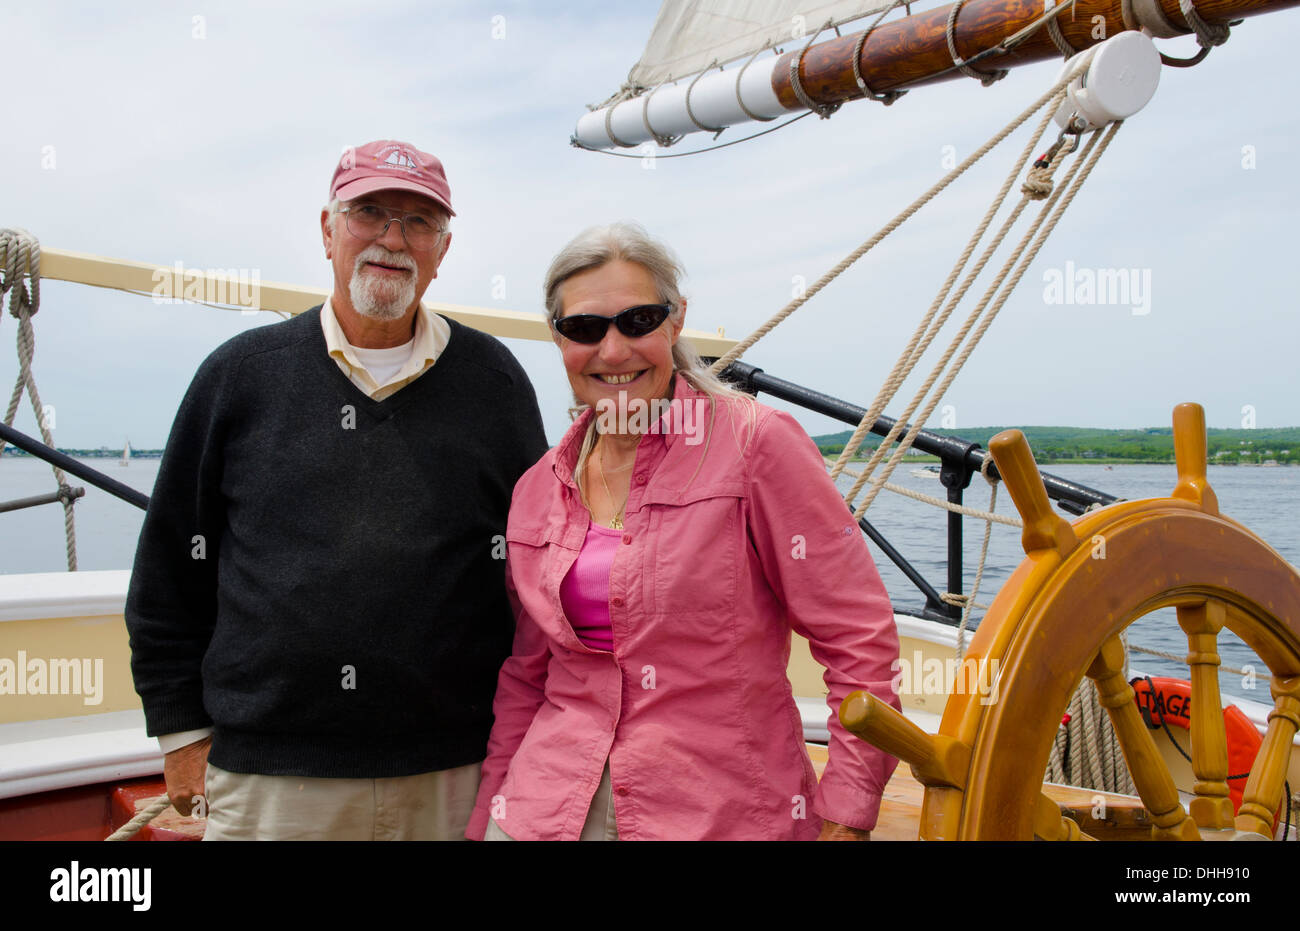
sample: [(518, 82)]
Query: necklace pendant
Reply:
[(616, 523)]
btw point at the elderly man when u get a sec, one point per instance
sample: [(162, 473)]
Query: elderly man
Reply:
[(317, 610)]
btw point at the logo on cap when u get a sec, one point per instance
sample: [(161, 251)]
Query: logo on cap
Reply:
[(389, 165)]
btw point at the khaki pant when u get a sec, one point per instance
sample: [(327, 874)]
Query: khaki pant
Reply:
[(426, 806), (600, 825)]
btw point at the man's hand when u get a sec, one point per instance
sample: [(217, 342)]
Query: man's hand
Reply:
[(833, 831), (184, 770)]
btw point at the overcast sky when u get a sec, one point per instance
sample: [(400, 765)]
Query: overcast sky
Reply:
[(140, 132)]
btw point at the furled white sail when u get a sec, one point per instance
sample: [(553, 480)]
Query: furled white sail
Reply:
[(691, 35)]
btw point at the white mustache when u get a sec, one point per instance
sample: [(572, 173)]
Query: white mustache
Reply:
[(382, 256)]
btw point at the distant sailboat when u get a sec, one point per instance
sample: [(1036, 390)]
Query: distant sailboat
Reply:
[(126, 453)]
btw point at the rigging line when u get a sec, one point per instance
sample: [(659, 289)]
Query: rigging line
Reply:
[(740, 348), (1002, 48), (991, 303), (936, 316), (771, 129)]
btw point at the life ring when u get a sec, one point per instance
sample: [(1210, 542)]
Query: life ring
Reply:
[(1170, 700)]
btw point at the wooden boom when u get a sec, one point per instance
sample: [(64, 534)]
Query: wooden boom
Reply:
[(914, 50)]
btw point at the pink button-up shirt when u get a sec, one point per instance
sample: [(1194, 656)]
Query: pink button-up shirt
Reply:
[(729, 544)]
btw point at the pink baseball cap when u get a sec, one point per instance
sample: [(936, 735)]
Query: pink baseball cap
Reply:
[(388, 165)]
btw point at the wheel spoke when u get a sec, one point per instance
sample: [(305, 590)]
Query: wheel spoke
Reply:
[(1050, 824), (1263, 791), (1154, 783), (1212, 807)]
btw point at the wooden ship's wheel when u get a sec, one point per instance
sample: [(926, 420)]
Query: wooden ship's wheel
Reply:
[(1059, 618)]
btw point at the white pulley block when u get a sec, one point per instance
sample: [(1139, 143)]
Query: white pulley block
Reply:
[(1112, 80)]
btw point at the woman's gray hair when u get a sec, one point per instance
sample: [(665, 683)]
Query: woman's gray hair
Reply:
[(629, 242)]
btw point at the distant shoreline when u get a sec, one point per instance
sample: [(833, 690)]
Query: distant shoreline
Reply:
[(89, 453), (925, 459), (1263, 447)]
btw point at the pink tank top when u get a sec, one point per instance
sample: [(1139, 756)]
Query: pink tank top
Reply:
[(584, 593)]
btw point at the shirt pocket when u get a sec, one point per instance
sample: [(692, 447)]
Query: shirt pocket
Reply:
[(539, 557), (695, 549)]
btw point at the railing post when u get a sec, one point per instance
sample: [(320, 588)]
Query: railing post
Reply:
[(955, 475)]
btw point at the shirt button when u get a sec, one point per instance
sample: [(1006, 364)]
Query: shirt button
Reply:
[(622, 790), (640, 479), (616, 602), (627, 538)]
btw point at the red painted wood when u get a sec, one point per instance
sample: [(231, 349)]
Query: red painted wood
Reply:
[(87, 813)]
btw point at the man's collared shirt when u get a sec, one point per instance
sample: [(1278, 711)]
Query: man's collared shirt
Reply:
[(432, 334)]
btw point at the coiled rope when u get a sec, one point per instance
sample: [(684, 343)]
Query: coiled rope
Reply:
[(20, 264)]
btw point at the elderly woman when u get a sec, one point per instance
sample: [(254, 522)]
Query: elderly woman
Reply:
[(659, 558)]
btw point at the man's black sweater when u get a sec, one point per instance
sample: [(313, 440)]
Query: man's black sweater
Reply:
[(320, 576)]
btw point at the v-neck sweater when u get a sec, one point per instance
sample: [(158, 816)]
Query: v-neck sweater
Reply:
[(319, 575)]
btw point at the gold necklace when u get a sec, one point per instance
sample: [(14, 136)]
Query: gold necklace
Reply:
[(617, 522)]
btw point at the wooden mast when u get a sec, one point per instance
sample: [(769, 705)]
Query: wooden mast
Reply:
[(914, 50)]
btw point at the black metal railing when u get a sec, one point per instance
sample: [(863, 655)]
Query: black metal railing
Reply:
[(82, 471), (959, 461)]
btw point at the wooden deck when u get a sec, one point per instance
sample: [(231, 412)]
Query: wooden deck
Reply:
[(1124, 817)]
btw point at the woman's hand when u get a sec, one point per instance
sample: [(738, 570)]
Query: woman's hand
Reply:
[(833, 831)]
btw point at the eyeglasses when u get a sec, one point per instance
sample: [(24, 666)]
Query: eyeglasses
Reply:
[(370, 221), (633, 322)]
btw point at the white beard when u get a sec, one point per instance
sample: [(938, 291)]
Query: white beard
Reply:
[(379, 298)]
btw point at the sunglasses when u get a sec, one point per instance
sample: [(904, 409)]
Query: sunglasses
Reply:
[(633, 322)]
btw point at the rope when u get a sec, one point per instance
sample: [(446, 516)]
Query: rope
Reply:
[(1058, 37), (1086, 752), (1148, 16), (659, 138), (740, 348), (937, 314), (129, 830), (609, 131), (1183, 659), (1207, 36), (888, 97), (948, 505), (985, 78), (984, 555), (740, 101), (822, 110), (573, 141), (716, 130), (20, 256), (925, 334), (994, 299)]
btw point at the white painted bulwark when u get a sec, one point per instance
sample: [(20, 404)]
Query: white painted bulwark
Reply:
[(41, 756), (63, 594)]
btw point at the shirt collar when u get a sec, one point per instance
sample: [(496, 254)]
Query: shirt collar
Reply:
[(432, 333), (663, 435)]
